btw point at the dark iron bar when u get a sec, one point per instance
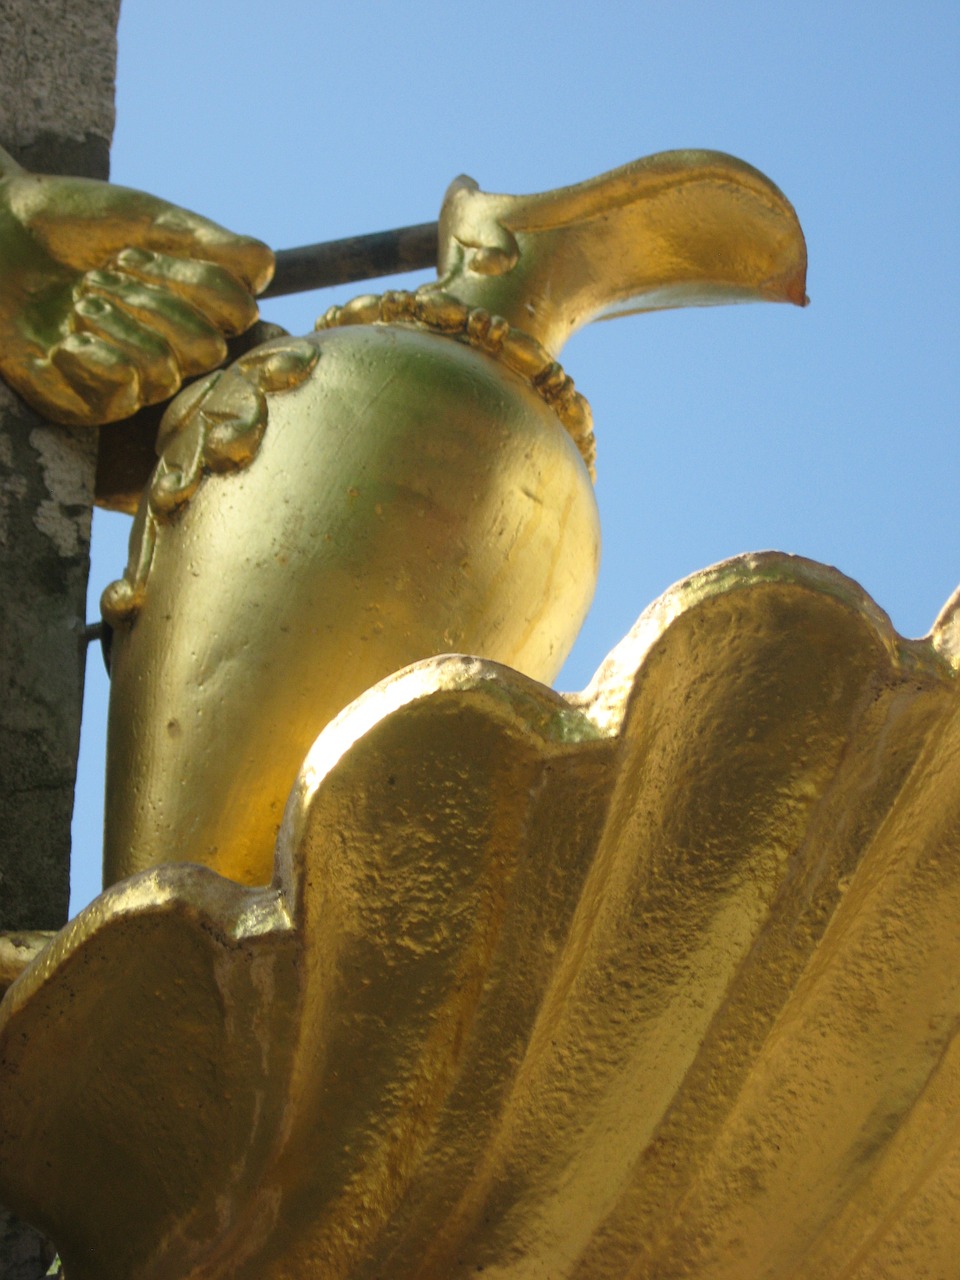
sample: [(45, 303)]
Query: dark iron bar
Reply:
[(383, 253)]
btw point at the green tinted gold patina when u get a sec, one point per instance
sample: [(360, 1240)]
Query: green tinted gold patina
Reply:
[(110, 297)]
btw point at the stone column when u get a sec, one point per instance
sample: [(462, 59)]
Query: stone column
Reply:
[(57, 66)]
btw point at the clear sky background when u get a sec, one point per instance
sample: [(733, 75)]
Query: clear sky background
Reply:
[(829, 432)]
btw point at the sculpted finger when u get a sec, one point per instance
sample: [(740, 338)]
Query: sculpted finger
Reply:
[(219, 295), (180, 233), (100, 375), (196, 340), (149, 352), (84, 223)]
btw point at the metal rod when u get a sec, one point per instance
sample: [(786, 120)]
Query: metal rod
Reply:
[(384, 253)]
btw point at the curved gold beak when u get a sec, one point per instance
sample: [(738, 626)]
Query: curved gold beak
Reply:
[(682, 228)]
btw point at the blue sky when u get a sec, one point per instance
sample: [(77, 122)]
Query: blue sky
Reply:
[(829, 432)]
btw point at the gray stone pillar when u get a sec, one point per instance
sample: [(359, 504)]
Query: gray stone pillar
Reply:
[(57, 66)]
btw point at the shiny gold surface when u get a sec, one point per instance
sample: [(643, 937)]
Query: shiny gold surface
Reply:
[(111, 297), (659, 980), (418, 492), (217, 426), (409, 497), (214, 427), (678, 229), (521, 354)]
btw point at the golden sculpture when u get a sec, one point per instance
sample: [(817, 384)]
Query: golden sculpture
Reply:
[(659, 980), (435, 452)]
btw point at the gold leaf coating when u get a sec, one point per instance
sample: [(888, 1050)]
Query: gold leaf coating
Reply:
[(442, 313), (111, 297), (215, 425), (658, 980), (681, 228), (409, 496)]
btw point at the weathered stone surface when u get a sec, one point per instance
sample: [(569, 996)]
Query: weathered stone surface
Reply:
[(46, 489), (57, 68), (57, 64)]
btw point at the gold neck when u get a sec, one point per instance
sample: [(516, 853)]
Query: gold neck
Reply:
[(443, 314)]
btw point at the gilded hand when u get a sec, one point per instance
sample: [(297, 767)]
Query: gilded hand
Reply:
[(109, 298)]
